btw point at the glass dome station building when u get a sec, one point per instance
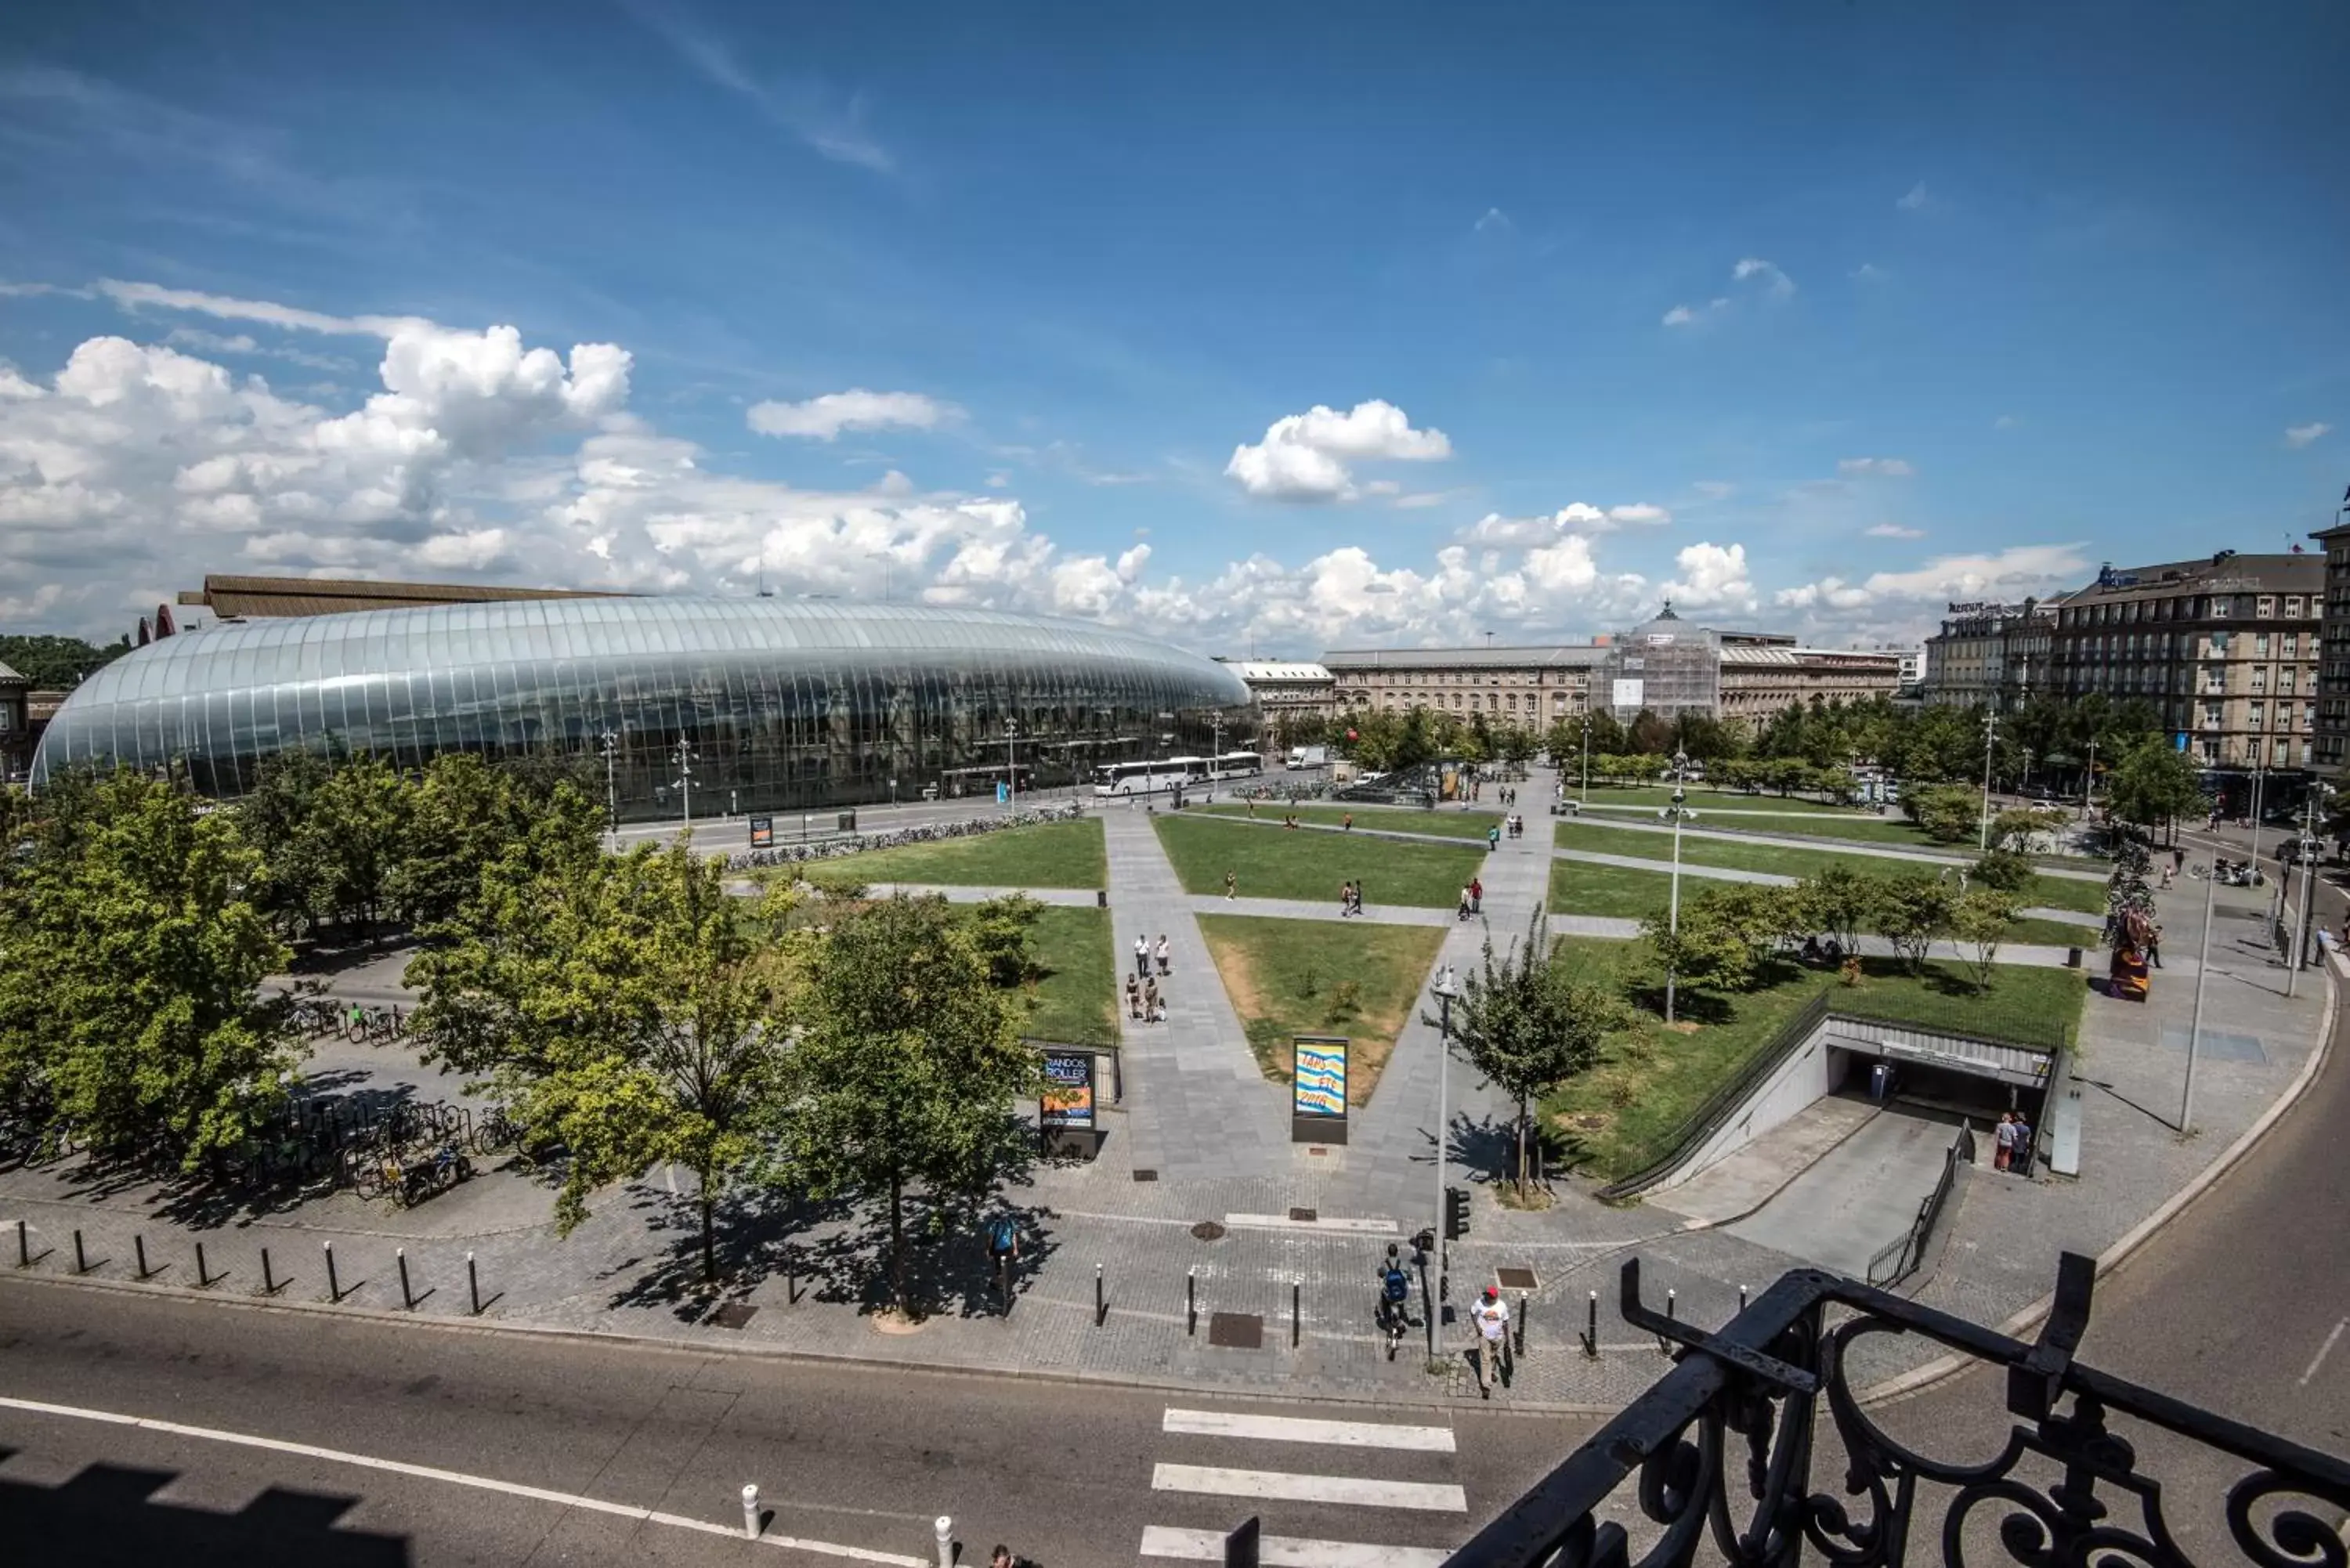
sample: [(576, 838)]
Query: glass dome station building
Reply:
[(786, 704)]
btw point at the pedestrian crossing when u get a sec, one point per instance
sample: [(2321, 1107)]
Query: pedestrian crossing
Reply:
[(1389, 1488)]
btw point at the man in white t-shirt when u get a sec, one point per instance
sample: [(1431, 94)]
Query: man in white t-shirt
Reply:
[(1492, 1317)]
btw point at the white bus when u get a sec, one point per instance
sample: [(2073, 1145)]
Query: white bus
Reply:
[(1240, 765), (1151, 778)]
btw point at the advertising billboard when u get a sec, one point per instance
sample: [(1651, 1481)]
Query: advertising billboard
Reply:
[(1628, 693), (1067, 1104), (762, 833), (1318, 1089)]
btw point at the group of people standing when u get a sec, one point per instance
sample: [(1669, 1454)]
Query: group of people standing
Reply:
[(1350, 899), (1472, 898), (2012, 1149), (1144, 1002)]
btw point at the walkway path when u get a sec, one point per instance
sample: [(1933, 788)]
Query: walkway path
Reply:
[(1779, 879), (1199, 1104), (952, 892), (1311, 910), (1844, 846)]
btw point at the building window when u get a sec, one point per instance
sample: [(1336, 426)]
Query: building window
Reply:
[(2260, 645), (2260, 718), (2259, 678), (2210, 753), (2219, 607), (2284, 679), (2264, 608), (2293, 607)]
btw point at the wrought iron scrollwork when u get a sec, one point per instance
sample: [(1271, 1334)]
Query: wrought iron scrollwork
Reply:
[(2065, 1489)]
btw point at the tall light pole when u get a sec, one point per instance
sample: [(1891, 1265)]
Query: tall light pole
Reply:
[(2301, 853), (2194, 1031), (2259, 779), (611, 746), (1445, 989), (1675, 811), (1586, 754), (685, 778), (1011, 764), (1990, 727), (2089, 784)]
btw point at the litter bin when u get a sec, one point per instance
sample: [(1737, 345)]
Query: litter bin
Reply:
[(847, 822), (2072, 958), (1101, 898)]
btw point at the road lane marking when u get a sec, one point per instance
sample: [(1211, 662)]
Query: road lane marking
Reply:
[(451, 1477), (2319, 1359), (1298, 1430), (1281, 1485), (1289, 1551), (1284, 1222)]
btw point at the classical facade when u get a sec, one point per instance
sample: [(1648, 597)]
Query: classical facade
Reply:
[(1287, 691), (1530, 686), (780, 702), (15, 723), (2332, 737), (1758, 681), (2226, 649), (1989, 652)]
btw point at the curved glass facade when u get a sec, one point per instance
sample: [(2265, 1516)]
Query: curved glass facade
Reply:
[(787, 704)]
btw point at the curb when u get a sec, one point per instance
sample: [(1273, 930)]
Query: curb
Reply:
[(755, 1352), (1902, 1385)]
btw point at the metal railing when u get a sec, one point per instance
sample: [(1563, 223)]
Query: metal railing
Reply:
[(1724, 1447), (1897, 1260)]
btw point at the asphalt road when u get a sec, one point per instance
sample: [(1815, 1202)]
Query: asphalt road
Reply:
[(853, 1457)]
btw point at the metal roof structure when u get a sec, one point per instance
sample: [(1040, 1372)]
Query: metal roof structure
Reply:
[(273, 598), (1734, 653), (1564, 656), (787, 701), (11, 678), (1274, 670)]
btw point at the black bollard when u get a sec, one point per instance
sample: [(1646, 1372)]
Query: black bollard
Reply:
[(333, 1285), (407, 1301), (81, 1262), (1522, 1322), (1664, 1345), (1741, 1298), (1101, 1303), (1190, 1301), (24, 1247), (203, 1275), (138, 1245), (473, 1284), (1296, 1290), (268, 1279), (1591, 1335)]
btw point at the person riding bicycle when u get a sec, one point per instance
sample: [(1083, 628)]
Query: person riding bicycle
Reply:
[(1003, 1250), (1395, 1293)]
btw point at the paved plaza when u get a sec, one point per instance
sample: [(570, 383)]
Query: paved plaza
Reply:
[(1200, 1199)]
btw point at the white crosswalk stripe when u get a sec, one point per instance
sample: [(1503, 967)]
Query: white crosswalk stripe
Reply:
[(1251, 1489)]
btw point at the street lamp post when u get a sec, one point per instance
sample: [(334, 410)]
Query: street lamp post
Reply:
[(2195, 1031), (1011, 764), (2301, 850), (1990, 727), (2089, 784), (611, 746), (1586, 754), (1675, 811), (2259, 779), (1445, 989), (685, 778)]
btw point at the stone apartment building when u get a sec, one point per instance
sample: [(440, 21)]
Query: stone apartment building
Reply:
[(2332, 738), (1760, 680), (1989, 653), (15, 724), (1285, 691), (1530, 686), (2226, 649)]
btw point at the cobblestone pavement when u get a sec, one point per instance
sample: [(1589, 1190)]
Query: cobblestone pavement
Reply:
[(1286, 1223)]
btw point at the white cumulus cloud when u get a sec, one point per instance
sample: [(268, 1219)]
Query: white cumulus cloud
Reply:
[(1712, 575), (2016, 572), (1885, 467), (1774, 282), (1307, 456), (2299, 436), (824, 418), (1896, 531)]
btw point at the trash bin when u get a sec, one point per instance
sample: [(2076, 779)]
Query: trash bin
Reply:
[(847, 822), (1101, 898), (2072, 958)]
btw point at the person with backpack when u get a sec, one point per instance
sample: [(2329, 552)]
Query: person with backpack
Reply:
[(1394, 1294), (1002, 1251)]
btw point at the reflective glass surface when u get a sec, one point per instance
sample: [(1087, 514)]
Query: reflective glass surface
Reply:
[(784, 704)]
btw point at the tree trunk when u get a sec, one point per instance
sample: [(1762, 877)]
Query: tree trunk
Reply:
[(1522, 1149), (897, 1242), (709, 1230)]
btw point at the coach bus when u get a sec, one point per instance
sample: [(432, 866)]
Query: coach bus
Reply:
[(1240, 765), (1151, 778)]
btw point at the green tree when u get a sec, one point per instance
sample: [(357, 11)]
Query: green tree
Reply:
[(129, 991), (354, 836), (1978, 920), (907, 1065), (1704, 953), (462, 815), (2153, 786), (640, 1023), (2004, 871), (1525, 1023), (1912, 913), (58, 663), (1004, 931), (2015, 828), (273, 818), (1947, 813), (1839, 901), (1763, 918)]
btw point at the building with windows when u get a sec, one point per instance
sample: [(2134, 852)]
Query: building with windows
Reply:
[(781, 702), (2226, 649), (1988, 653), (1287, 691), (15, 723), (1757, 682), (1529, 686), (2333, 736), (1670, 667)]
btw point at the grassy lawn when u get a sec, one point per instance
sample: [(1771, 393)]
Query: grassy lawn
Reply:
[(1446, 821), (2048, 892), (1048, 855), (1077, 1000), (1287, 978), (1700, 797), (1625, 1112), (1273, 864)]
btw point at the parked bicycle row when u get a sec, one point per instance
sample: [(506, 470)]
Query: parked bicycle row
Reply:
[(319, 1016), (800, 854)]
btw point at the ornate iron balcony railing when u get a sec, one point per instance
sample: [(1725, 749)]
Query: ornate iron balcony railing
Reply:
[(2066, 1491)]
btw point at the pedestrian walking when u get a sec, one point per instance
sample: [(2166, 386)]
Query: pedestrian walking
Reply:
[(1142, 957), (2166, 878), (1346, 900), (1232, 886), (1133, 997), (1150, 1001), (1463, 912), (2154, 944), (2019, 1161), (1492, 838), (1492, 1316), (2178, 858), (2004, 1141), (1476, 895), (1166, 964), (1347, 822)]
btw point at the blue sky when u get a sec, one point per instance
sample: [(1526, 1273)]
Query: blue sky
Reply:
[(1813, 316)]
